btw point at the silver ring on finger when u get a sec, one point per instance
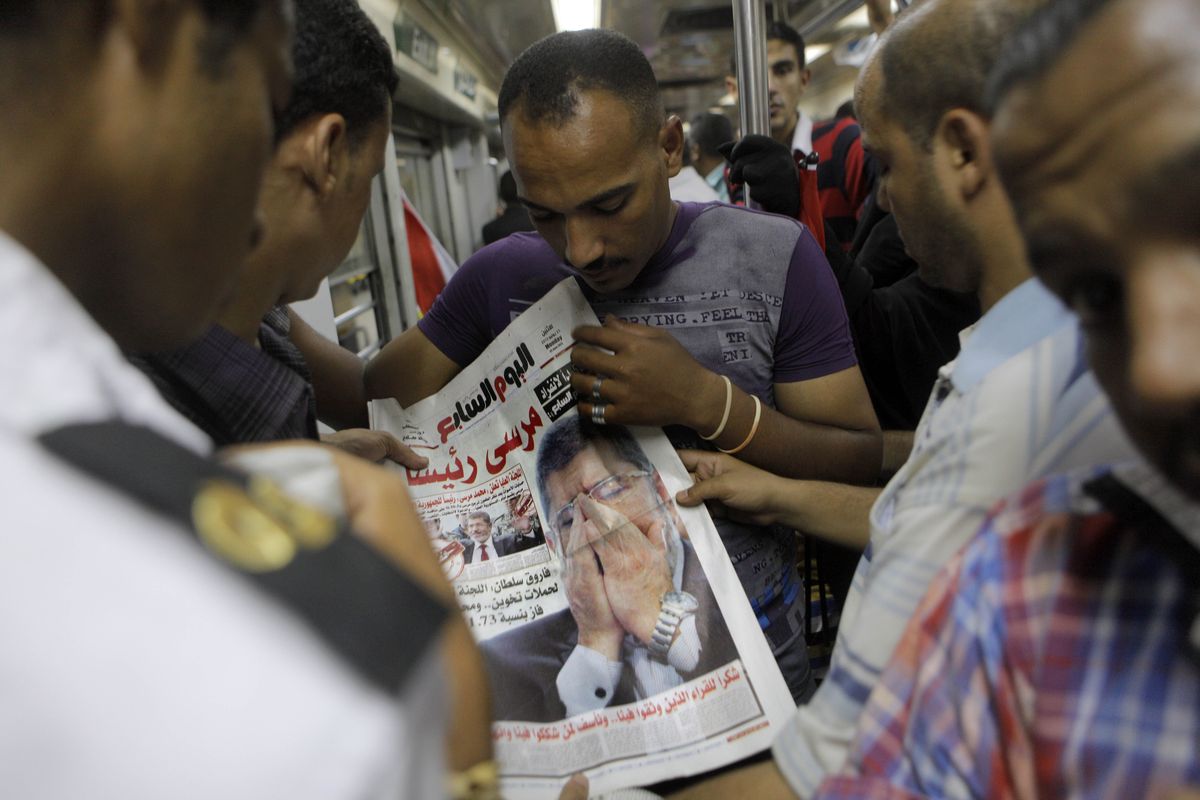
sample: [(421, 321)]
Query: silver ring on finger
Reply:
[(598, 413), (596, 389)]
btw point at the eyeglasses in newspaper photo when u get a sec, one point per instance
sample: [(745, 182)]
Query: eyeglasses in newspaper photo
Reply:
[(614, 489)]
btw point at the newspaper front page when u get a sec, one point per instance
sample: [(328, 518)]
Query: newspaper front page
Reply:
[(561, 538)]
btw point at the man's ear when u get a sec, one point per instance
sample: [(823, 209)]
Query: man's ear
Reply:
[(671, 141), (327, 153), (963, 137), (149, 26), (805, 78)]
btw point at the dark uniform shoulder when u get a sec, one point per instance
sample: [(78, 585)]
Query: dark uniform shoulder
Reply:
[(375, 617)]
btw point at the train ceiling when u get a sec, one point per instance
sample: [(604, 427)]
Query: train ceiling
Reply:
[(689, 42)]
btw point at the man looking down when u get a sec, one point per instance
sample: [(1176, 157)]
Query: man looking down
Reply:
[(1076, 610), (721, 322), (1018, 402), (245, 380)]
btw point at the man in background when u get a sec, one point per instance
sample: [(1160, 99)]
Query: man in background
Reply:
[(708, 132), (686, 185), (245, 380), (845, 175), (513, 216)]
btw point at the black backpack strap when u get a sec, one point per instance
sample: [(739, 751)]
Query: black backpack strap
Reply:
[(374, 616)]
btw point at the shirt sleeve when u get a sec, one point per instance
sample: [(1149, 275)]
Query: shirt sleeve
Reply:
[(814, 335), (458, 322), (684, 654), (886, 594), (946, 719), (587, 681)]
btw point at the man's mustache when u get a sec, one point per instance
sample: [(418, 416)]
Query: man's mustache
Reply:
[(601, 263)]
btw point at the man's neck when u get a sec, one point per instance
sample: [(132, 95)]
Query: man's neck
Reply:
[(1005, 265), (705, 166), (33, 184), (670, 227), (995, 285), (785, 136), (257, 293)]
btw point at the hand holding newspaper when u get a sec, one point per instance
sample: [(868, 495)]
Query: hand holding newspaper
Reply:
[(617, 638)]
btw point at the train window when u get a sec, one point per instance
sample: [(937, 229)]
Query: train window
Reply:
[(357, 292)]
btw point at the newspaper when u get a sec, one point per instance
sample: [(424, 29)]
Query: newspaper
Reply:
[(526, 505)]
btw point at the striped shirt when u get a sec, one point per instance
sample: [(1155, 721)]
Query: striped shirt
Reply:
[(236, 392), (1017, 404), (845, 176), (1057, 656)]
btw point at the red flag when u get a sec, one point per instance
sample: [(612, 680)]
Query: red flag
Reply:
[(432, 266)]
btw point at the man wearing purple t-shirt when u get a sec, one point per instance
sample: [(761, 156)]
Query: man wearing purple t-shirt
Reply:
[(692, 295)]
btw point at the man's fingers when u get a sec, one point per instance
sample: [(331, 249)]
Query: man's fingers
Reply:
[(582, 564), (657, 535), (612, 413), (600, 520), (401, 453), (613, 530), (590, 362), (707, 489), (575, 789), (701, 461), (757, 143), (599, 336)]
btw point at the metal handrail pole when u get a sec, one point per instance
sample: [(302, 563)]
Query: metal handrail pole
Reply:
[(750, 45)]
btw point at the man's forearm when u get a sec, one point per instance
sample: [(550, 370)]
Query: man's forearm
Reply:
[(337, 377), (798, 449), (846, 446), (897, 446), (832, 511)]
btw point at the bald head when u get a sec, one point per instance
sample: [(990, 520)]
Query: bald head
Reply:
[(937, 57)]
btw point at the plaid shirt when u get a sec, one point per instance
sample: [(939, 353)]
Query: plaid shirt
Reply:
[(235, 392), (1055, 657)]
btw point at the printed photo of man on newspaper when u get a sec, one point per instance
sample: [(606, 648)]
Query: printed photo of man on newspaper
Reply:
[(641, 617)]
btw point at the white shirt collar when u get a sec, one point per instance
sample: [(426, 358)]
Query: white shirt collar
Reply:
[(802, 137)]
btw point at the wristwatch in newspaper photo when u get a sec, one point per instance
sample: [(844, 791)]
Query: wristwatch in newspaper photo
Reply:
[(675, 606)]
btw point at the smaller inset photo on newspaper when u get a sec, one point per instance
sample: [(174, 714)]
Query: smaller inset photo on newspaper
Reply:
[(476, 540)]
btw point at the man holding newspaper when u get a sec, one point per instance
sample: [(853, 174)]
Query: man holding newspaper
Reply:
[(723, 325)]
